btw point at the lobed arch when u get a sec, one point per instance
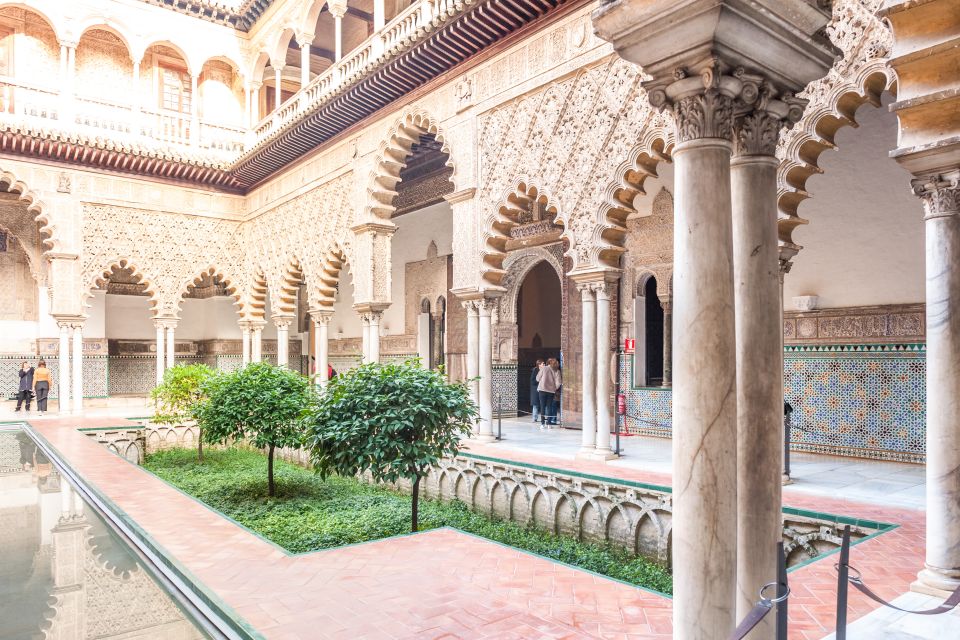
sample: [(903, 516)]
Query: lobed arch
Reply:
[(497, 226), (324, 292), (253, 302), (49, 237), (816, 132), (100, 278), (283, 292), (392, 156), (214, 271)]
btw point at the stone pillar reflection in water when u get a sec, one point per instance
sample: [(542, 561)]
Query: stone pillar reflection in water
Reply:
[(63, 380), (589, 345), (704, 361), (756, 268), (941, 198)]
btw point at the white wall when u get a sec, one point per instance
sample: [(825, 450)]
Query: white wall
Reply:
[(208, 319), (345, 322), (129, 317), (96, 324), (864, 244), (414, 233)]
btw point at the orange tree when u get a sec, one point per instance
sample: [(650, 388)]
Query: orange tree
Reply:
[(391, 420)]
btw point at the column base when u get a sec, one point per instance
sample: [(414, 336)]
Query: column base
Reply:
[(603, 455), (586, 453), (785, 479), (934, 583)]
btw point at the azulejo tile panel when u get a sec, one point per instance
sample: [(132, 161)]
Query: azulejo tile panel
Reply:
[(505, 389), (858, 400), (94, 375)]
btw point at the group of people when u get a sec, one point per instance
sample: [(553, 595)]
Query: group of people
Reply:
[(34, 382), (545, 385)]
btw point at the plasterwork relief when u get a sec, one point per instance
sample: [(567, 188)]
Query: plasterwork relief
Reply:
[(649, 252)]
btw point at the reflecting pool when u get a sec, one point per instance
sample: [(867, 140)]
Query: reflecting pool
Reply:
[(64, 573)]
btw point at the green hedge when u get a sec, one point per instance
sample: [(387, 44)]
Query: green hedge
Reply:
[(308, 513)]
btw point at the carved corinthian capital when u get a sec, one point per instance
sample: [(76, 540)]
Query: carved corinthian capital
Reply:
[(940, 193), (760, 116)]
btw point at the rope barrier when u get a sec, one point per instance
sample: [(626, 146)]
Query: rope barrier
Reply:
[(765, 604)]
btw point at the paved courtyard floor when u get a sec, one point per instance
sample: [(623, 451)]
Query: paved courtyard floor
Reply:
[(447, 584), (896, 484)]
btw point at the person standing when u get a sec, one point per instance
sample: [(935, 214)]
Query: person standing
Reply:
[(555, 410), (546, 387), (41, 385), (534, 394), (26, 385)]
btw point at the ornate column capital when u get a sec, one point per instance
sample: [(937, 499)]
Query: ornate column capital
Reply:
[(586, 290), (940, 193), (282, 322), (320, 316), (761, 116)]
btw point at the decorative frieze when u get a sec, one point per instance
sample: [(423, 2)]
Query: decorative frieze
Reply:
[(891, 323)]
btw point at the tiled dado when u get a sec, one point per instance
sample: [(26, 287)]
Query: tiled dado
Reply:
[(95, 375), (863, 400)]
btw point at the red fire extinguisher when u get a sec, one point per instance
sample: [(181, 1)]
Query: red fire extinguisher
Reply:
[(621, 404)]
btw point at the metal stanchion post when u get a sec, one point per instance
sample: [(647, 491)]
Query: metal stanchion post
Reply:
[(786, 445), (782, 592), (843, 568), (500, 416)]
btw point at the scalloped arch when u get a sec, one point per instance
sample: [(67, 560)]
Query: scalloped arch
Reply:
[(392, 157), (35, 205), (101, 276), (229, 283)]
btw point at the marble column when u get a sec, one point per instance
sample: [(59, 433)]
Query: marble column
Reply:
[(160, 350), (485, 363), (374, 340), (667, 306), (245, 342), (77, 367), (473, 362), (588, 303), (278, 87), (256, 341), (704, 373), (253, 115), (756, 271), (603, 290), (171, 345), (321, 345), (338, 13), (283, 339), (365, 336), (941, 198), (304, 42), (194, 108), (63, 382)]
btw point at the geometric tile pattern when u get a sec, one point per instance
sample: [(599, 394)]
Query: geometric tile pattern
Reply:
[(94, 375), (505, 389), (857, 400)]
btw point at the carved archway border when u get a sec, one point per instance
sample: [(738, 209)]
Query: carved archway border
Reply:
[(100, 277), (35, 205), (391, 158), (283, 287), (229, 284), (816, 132), (324, 293), (497, 225), (518, 265)]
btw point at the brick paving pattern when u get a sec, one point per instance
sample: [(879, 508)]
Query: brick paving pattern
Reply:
[(443, 583)]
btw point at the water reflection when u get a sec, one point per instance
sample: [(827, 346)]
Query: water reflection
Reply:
[(64, 574)]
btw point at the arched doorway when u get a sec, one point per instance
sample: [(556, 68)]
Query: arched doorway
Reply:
[(539, 313), (648, 329)]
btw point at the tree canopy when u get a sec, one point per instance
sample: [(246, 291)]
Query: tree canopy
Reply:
[(178, 393)]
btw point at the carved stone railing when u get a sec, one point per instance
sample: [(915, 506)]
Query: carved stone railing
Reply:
[(25, 105), (410, 26)]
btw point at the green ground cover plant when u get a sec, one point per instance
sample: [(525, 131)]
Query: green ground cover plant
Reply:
[(310, 513)]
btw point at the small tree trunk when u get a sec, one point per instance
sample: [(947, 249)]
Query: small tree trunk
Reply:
[(415, 504), (270, 488), (200, 446)]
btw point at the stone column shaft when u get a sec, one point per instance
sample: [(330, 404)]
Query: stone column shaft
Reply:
[(304, 64), (375, 336), (485, 362), (171, 345), (704, 394), (941, 197), (278, 87), (338, 37), (473, 363), (603, 290), (245, 344), (256, 343), (756, 267), (283, 339), (78, 368), (588, 436), (321, 347), (64, 383), (667, 344), (160, 351)]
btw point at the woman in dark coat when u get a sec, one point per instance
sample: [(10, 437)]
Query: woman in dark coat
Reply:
[(26, 385)]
